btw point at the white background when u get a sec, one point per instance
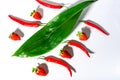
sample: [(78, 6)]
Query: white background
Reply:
[(103, 65)]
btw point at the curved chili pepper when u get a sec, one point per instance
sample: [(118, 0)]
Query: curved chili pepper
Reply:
[(58, 61), (50, 4), (25, 22), (96, 25), (79, 45)]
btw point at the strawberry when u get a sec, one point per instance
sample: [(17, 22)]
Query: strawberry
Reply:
[(65, 54), (14, 36), (41, 69), (41, 72), (36, 15), (82, 36)]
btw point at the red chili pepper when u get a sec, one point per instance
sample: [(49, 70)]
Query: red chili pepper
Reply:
[(25, 22), (79, 45), (58, 61), (50, 4), (96, 25), (14, 36)]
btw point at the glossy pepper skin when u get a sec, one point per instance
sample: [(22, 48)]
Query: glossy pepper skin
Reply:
[(79, 45), (50, 4), (56, 60), (49, 37), (96, 26), (25, 22)]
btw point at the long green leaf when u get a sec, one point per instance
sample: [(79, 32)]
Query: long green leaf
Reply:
[(53, 41), (53, 32)]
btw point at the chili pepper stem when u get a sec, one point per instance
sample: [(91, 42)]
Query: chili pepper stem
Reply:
[(65, 7), (82, 20), (66, 41), (42, 24), (41, 57)]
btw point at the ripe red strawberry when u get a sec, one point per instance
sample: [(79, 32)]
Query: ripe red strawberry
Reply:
[(65, 54), (14, 36), (41, 70), (36, 15), (82, 36)]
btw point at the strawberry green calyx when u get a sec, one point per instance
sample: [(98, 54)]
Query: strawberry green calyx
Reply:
[(32, 13), (10, 35), (82, 36), (34, 70), (60, 54), (79, 34)]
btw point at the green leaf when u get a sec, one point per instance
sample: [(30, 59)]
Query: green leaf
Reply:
[(53, 33)]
